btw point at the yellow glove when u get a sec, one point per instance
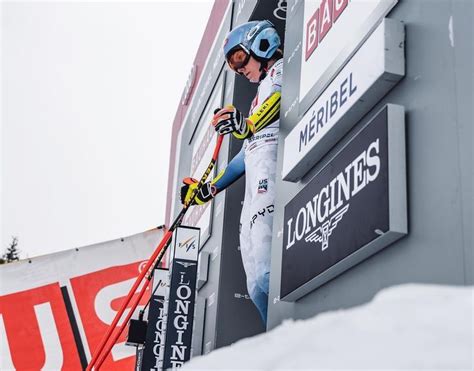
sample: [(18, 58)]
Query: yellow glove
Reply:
[(205, 194)]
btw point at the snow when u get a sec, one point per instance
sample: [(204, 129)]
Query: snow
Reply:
[(403, 328)]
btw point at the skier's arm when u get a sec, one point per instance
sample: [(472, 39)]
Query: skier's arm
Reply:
[(269, 110), (230, 120), (234, 170), (266, 114)]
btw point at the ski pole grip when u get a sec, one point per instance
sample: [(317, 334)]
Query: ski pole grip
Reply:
[(208, 170)]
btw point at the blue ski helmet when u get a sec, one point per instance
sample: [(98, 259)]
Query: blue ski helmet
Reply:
[(258, 38)]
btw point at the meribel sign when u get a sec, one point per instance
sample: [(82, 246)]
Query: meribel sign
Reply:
[(152, 357), (182, 297), (352, 208), (375, 69)]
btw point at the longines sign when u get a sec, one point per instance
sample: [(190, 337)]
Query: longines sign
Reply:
[(155, 334), (355, 206), (182, 297), (375, 69)]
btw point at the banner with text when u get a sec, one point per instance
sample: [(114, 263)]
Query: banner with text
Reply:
[(375, 69), (55, 309), (182, 297), (155, 335), (331, 31), (352, 208)]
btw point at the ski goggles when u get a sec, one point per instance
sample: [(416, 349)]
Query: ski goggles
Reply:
[(237, 60)]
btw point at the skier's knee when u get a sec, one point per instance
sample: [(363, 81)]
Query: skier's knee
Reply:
[(263, 281), (252, 288)]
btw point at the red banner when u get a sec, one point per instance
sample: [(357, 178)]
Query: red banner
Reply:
[(55, 309)]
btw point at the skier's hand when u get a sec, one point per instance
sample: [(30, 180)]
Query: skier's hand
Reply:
[(230, 120), (205, 194)]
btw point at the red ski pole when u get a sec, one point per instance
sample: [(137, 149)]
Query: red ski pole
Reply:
[(121, 328), (132, 291), (158, 253), (134, 306)]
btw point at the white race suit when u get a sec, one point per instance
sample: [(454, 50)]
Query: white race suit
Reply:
[(259, 154), (256, 219)]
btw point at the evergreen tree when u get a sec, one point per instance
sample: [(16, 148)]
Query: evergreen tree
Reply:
[(12, 252)]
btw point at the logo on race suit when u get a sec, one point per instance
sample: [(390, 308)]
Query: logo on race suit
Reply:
[(188, 244), (322, 233), (261, 213), (316, 220), (321, 22), (280, 10), (268, 137), (262, 186)]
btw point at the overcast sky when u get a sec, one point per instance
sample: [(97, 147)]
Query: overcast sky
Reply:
[(88, 96)]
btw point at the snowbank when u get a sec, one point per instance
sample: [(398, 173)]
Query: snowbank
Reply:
[(404, 327)]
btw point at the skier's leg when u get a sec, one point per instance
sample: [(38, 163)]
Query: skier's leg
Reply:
[(246, 249), (261, 169), (260, 299)]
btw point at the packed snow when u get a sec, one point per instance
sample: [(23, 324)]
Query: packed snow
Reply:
[(404, 327)]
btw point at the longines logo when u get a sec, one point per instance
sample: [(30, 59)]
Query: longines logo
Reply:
[(319, 217), (322, 233), (189, 244), (185, 264)]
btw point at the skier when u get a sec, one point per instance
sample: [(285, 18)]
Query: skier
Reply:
[(251, 50)]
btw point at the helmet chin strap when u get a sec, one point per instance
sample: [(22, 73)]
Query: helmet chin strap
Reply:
[(263, 69)]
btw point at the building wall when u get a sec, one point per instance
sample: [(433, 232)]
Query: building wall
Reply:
[(437, 95)]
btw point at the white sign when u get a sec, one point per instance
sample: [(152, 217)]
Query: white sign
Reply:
[(332, 31), (369, 75), (186, 243)]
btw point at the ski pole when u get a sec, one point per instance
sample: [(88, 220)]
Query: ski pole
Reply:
[(130, 313), (158, 253), (132, 291), (121, 328), (132, 310)]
